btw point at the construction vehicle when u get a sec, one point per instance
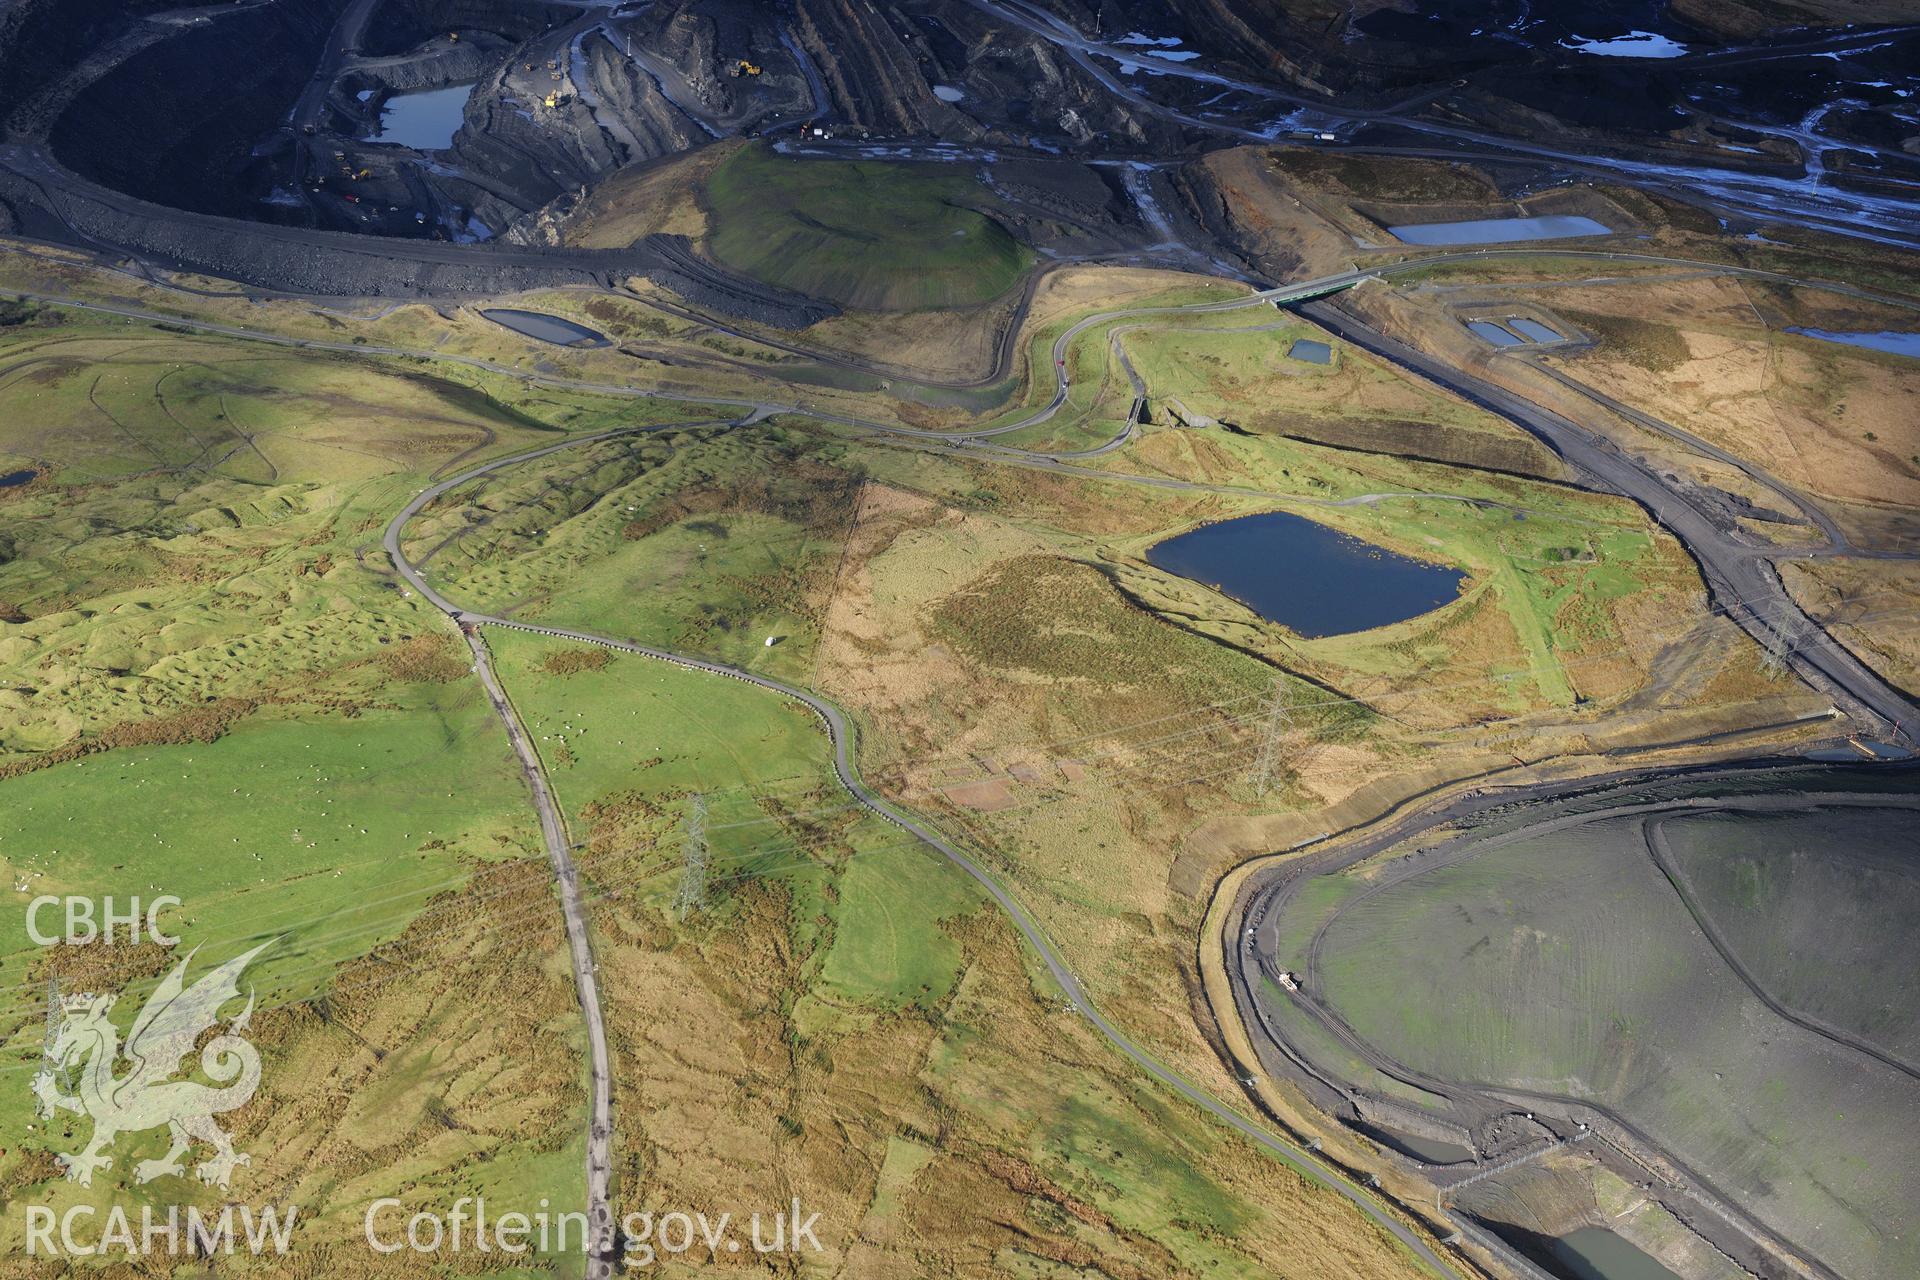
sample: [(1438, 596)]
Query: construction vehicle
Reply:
[(553, 99), (363, 175), (744, 68)]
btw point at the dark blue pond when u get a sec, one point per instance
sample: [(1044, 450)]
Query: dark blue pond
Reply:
[(538, 324), (12, 478), (1305, 576)]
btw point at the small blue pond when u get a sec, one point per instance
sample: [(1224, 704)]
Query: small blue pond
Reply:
[(13, 479), (1306, 576), (1311, 351), (1890, 340), (1531, 330), (425, 121), (1557, 226)]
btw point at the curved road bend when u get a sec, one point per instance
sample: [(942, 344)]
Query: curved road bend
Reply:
[(1836, 537), (841, 737)]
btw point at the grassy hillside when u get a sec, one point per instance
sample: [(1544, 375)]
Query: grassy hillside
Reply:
[(1774, 891), (1566, 964), (849, 1021), (865, 234)]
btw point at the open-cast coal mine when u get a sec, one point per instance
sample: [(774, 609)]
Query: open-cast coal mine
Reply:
[(889, 638)]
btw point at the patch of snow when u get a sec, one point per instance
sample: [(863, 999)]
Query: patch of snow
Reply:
[(947, 93)]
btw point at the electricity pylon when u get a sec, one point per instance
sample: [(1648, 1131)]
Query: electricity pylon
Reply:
[(693, 876), (1267, 762)]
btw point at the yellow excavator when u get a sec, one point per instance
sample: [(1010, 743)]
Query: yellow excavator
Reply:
[(744, 68)]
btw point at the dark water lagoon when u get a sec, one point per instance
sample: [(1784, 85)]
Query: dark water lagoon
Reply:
[(538, 324), (1426, 1150), (425, 121), (1306, 576), (1594, 1253), (14, 479), (1532, 330)]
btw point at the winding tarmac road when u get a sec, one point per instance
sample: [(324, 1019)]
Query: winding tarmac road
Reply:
[(841, 737), (1739, 576)]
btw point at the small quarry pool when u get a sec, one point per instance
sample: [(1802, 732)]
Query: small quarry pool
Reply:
[(1557, 226), (1594, 1253), (1306, 576), (425, 121)]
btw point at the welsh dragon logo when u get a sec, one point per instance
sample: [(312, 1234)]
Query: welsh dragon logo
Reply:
[(86, 1049)]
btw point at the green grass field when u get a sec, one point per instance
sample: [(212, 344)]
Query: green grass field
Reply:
[(703, 543), (865, 234), (210, 688)]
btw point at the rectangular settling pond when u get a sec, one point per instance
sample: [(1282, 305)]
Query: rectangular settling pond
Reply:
[(1306, 576), (1892, 341), (1493, 333), (1557, 226)]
